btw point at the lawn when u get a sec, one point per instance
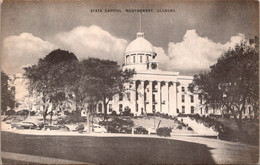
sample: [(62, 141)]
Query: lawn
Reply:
[(248, 125), (112, 150), (250, 132)]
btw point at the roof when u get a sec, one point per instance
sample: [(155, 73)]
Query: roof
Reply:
[(140, 45)]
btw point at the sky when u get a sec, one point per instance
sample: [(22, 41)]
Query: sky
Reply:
[(188, 40)]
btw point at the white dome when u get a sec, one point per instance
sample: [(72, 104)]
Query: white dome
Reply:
[(140, 45)]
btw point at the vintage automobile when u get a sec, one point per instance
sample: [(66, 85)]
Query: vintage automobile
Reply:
[(24, 125), (56, 127), (97, 128), (126, 129), (140, 130)]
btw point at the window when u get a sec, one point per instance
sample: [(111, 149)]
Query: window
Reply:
[(99, 107), (110, 107), (153, 98), (120, 97), (147, 58), (127, 59), (183, 98), (183, 109), (249, 110), (192, 109), (136, 107), (192, 99), (120, 107), (141, 59), (133, 59), (182, 89), (129, 96), (154, 110), (153, 65)]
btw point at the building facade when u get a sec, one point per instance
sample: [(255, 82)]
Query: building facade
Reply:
[(151, 89)]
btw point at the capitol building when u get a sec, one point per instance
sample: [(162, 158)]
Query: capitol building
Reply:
[(151, 89)]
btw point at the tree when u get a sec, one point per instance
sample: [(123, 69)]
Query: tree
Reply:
[(51, 79), (100, 80), (232, 83), (7, 94)]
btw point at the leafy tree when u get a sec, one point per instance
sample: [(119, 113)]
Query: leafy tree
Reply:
[(232, 83), (7, 93), (100, 80), (51, 79)]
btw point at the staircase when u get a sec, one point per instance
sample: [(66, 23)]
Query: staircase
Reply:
[(199, 128)]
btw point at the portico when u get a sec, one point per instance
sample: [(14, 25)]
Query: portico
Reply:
[(154, 95)]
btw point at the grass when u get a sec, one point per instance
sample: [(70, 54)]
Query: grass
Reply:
[(250, 132), (248, 126), (108, 150)]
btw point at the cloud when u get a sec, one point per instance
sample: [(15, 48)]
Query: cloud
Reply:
[(84, 42), (162, 58), (92, 41), (194, 53), (23, 50)]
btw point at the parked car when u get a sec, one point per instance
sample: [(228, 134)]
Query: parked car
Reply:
[(99, 129), (140, 130), (56, 127), (24, 125), (125, 129), (113, 129)]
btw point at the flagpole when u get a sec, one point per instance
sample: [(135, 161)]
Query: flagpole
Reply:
[(140, 14)]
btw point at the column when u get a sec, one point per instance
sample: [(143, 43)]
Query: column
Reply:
[(167, 97), (150, 108), (174, 99), (133, 97), (159, 97), (141, 96)]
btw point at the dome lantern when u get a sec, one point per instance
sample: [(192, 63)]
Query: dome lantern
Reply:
[(140, 34)]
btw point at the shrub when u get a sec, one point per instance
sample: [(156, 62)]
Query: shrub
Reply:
[(190, 129), (226, 116), (164, 131), (117, 124), (72, 119), (179, 127), (80, 128), (113, 113), (32, 113), (10, 112), (22, 113)]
